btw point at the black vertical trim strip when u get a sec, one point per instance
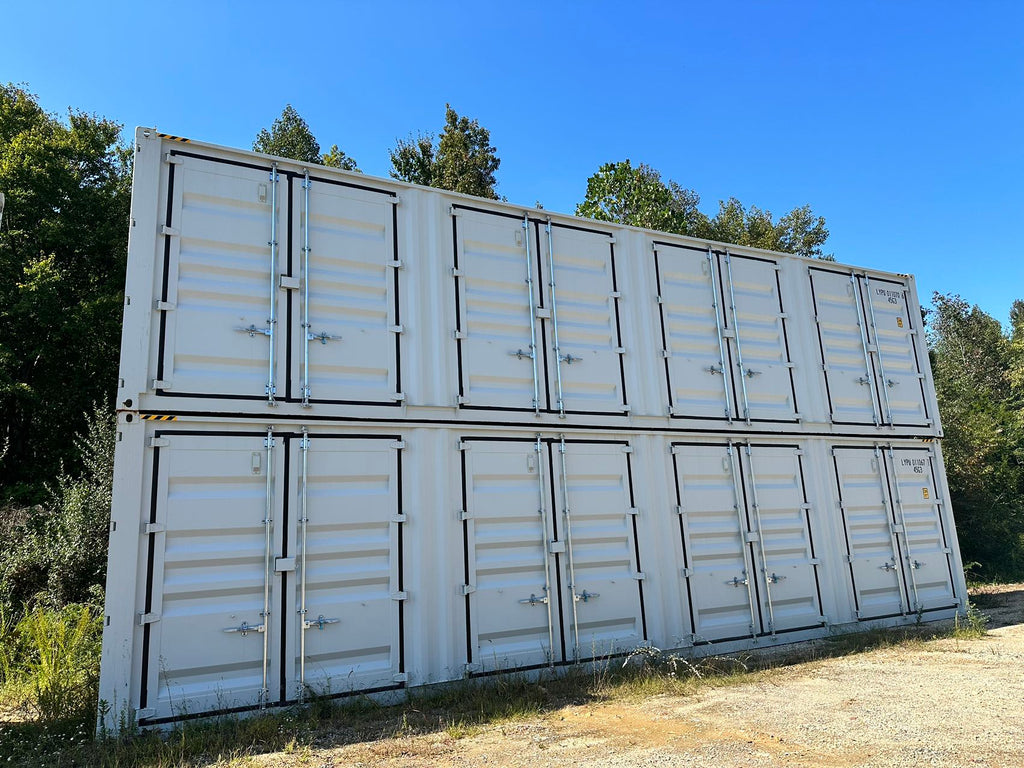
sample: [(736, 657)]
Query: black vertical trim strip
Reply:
[(821, 347), (846, 530), (166, 272), (636, 546), (458, 304), (664, 335), (286, 486), (465, 559), (554, 537), (785, 340), (810, 533), (401, 563), (618, 328), (398, 302), (144, 685), (682, 541)]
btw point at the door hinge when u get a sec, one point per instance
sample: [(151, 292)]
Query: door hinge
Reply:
[(556, 547), (400, 595), (289, 283), (284, 565), (468, 589), (151, 528), (398, 445), (147, 618), (163, 306), (159, 442), (169, 231), (400, 677), (172, 159)]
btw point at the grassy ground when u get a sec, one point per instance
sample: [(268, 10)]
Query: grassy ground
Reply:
[(458, 709)]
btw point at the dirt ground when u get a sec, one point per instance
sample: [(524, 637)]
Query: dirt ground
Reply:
[(945, 702)]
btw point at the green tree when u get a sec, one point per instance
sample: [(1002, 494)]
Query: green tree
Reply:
[(62, 260), (290, 137), (462, 160), (637, 195), (973, 363)]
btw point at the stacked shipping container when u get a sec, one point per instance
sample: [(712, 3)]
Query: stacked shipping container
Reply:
[(374, 435)]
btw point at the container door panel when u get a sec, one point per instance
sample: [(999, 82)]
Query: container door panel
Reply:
[(894, 331), (786, 564), (494, 306), (352, 302), (719, 581), (867, 517), (689, 293), (760, 335), (508, 531), (351, 566), (926, 555), (842, 337), (601, 570), (208, 577), (218, 280), (587, 322)]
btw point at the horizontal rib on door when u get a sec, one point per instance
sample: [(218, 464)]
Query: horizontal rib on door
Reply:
[(208, 577), (842, 337), (353, 355), (875, 563), (352, 564), (893, 331), (588, 331), (493, 304), (218, 280), (688, 293)]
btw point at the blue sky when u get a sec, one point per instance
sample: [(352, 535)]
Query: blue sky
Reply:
[(901, 122)]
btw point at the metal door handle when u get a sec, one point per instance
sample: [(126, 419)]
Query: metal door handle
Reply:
[(319, 622), (735, 581), (245, 628), (569, 359), (520, 355), (252, 330), (774, 578), (323, 337), (715, 369), (585, 596), (751, 373), (888, 567), (534, 600)]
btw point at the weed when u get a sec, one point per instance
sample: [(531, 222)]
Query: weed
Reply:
[(972, 625)]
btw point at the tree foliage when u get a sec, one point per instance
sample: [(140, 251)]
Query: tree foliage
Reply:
[(977, 370), (462, 160), (636, 195), (290, 137), (62, 260)]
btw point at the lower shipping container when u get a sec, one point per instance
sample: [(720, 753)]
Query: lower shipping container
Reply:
[(251, 565)]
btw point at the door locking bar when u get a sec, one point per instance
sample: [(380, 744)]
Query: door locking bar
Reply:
[(319, 622), (272, 320), (268, 522), (245, 628), (901, 578), (721, 338), (736, 337), (533, 316), (554, 321), (859, 311), (542, 509), (878, 351), (567, 516), (585, 596), (898, 497), (760, 540), (737, 498), (534, 600)]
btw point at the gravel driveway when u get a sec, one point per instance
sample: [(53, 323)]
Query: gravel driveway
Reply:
[(942, 702)]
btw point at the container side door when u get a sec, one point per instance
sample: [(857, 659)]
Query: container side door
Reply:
[(352, 594), (208, 575), (688, 293), (508, 540), (353, 352), (787, 567), (494, 302), (926, 555), (714, 535), (894, 333), (842, 337), (588, 329), (868, 522), (601, 570), (759, 328), (214, 341)]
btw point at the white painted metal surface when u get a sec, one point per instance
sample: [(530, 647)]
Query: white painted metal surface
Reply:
[(374, 436)]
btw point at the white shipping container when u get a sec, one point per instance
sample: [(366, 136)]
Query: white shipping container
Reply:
[(374, 436), (267, 287)]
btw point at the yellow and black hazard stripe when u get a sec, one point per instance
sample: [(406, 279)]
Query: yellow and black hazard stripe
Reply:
[(157, 417), (173, 138)]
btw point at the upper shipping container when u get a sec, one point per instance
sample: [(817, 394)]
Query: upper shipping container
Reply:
[(270, 288)]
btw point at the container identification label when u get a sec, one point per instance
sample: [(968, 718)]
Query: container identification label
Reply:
[(917, 465), (891, 296)]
